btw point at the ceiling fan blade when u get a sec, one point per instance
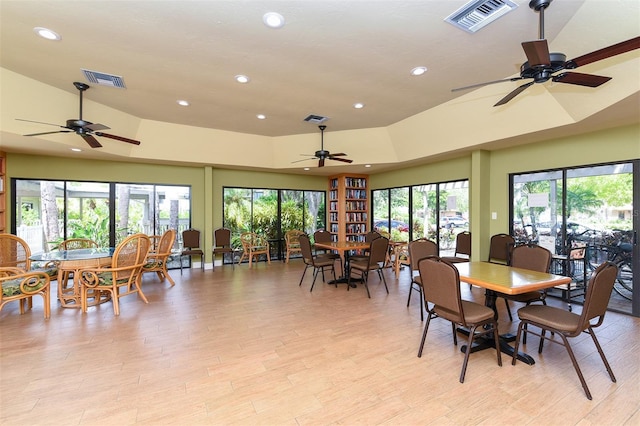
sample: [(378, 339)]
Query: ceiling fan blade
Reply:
[(514, 93), (589, 80), (344, 160), (604, 53), (118, 138), (48, 133), (537, 52), (39, 122), (93, 142), (96, 126), (487, 83), (304, 159), (340, 154), (321, 162)]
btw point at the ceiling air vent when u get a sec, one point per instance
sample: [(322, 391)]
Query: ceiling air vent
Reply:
[(104, 79), (312, 118), (478, 13)]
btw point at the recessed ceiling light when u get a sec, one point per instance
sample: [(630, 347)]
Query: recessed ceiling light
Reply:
[(261, 116), (76, 149), (367, 165), (183, 103), (358, 105), (242, 78), (418, 70), (307, 168), (47, 33), (273, 20)]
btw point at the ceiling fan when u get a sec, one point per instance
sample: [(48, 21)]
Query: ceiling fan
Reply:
[(542, 65), (86, 129), (322, 155)]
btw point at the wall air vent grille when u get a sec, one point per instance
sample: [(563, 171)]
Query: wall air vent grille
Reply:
[(479, 13), (104, 79)]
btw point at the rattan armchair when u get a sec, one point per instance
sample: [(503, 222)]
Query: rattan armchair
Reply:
[(293, 245), (21, 286), (157, 259), (124, 275), (254, 245)]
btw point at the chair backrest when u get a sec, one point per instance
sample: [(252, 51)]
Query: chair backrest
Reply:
[(77, 243), (131, 251), (191, 238), (378, 251), (166, 242), (463, 243), (531, 256), (291, 237), (305, 248), (500, 248), (322, 236), (14, 252), (441, 286), (419, 249), (598, 295), (372, 235), (222, 237)]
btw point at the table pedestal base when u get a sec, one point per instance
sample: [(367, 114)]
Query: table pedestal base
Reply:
[(487, 342)]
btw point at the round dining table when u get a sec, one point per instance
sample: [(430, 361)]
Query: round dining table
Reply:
[(69, 263)]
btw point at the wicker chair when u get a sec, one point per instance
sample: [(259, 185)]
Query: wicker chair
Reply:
[(157, 259), (77, 243), (254, 245), (21, 286), (291, 240), (122, 277)]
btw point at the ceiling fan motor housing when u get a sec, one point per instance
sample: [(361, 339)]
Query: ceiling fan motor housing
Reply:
[(542, 73)]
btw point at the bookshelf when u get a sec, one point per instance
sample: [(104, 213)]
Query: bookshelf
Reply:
[(348, 207), (3, 192)]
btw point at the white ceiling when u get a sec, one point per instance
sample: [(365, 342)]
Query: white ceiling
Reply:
[(329, 55)]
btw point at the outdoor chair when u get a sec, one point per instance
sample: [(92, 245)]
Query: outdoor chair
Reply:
[(317, 262), (157, 259), (441, 288), (568, 324), (122, 277)]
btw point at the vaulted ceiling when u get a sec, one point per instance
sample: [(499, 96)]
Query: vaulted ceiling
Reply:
[(328, 56)]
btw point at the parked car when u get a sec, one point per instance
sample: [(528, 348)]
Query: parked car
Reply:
[(395, 224), (453, 222)]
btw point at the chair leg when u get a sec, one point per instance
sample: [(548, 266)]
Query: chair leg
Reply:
[(303, 273), (410, 291), (365, 278), (315, 275), (384, 280), (604, 359), (421, 301), (467, 352), (576, 367), (424, 335)]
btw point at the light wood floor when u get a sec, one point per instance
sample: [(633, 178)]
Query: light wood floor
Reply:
[(250, 347)]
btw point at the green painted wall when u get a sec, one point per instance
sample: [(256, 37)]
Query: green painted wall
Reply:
[(488, 172)]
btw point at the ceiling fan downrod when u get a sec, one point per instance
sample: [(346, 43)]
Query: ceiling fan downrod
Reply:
[(539, 6)]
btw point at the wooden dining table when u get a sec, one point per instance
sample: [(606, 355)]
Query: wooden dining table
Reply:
[(344, 248), (496, 278), (69, 262)]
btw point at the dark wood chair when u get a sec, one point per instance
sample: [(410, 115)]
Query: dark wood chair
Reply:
[(463, 248), (322, 236), (191, 246), (222, 245), (500, 247), (375, 261)]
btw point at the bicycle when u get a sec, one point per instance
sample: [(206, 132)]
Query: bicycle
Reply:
[(621, 254)]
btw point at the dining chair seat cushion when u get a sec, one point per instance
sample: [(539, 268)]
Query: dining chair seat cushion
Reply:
[(12, 287), (473, 312), (51, 271), (320, 261), (154, 264), (549, 316), (106, 279)]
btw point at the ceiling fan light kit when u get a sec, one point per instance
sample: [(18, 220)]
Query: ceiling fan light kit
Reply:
[(85, 129), (542, 65)]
